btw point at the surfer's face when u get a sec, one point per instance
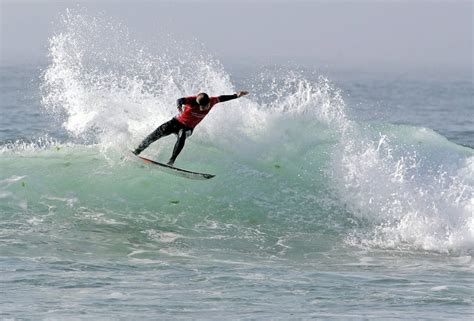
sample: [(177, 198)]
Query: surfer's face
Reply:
[(205, 107)]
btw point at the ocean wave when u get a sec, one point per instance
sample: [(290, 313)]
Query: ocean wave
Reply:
[(289, 161)]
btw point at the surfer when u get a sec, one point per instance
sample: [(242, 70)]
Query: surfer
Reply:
[(192, 111)]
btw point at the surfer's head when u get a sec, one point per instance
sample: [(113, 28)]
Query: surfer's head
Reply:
[(203, 99)]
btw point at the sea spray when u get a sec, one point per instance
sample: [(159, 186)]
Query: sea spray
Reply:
[(97, 71)]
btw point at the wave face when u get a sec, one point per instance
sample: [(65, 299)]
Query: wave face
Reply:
[(295, 175)]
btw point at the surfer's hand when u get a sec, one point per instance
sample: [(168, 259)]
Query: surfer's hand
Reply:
[(180, 108), (242, 93)]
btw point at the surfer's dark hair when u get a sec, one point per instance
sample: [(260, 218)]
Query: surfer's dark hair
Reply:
[(202, 99)]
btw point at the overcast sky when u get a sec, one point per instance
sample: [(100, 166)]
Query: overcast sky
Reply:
[(378, 33)]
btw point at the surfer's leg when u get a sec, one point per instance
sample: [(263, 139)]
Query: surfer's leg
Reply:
[(163, 130), (178, 147)]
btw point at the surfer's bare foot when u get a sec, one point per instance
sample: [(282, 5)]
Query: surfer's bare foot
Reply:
[(170, 163)]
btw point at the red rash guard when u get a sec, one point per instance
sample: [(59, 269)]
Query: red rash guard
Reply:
[(192, 113)]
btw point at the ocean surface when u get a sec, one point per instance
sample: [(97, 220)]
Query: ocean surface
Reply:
[(338, 195)]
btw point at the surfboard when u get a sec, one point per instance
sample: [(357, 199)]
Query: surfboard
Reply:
[(177, 171)]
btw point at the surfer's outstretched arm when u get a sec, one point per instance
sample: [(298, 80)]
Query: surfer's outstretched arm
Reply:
[(239, 94), (222, 98)]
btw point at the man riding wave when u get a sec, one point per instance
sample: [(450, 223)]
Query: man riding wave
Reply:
[(192, 110)]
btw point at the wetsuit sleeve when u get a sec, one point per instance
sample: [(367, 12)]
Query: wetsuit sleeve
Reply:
[(181, 101), (223, 98)]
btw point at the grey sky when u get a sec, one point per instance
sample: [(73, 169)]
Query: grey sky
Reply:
[(378, 34)]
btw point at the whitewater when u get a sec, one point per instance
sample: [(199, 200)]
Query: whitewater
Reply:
[(312, 213)]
